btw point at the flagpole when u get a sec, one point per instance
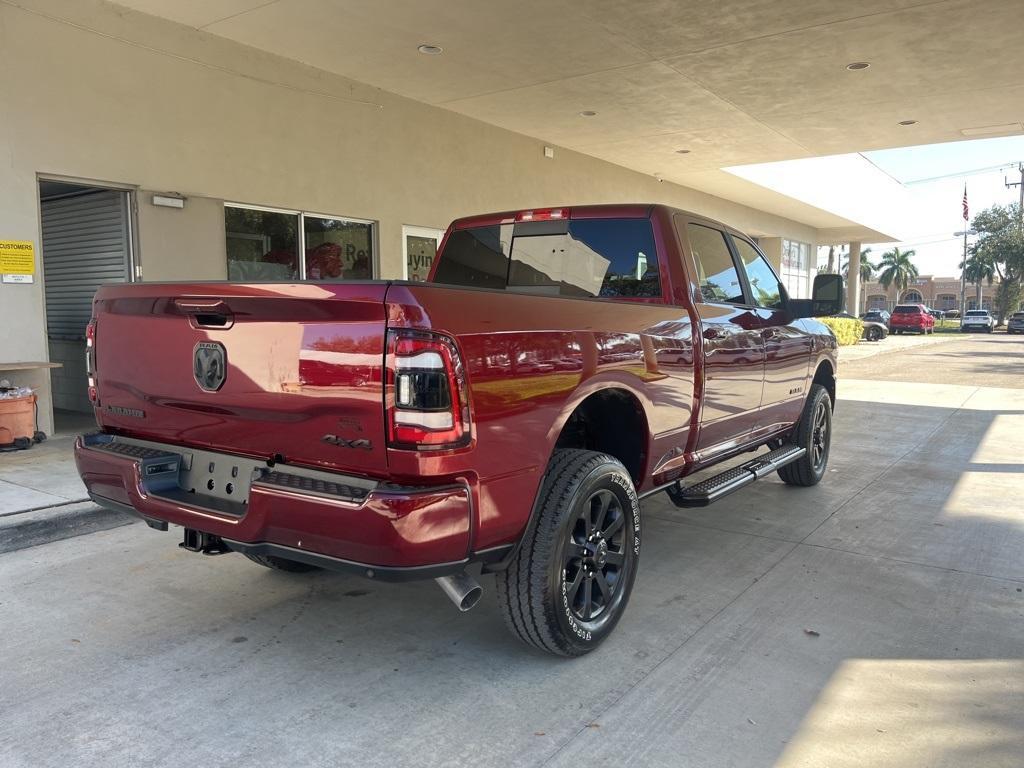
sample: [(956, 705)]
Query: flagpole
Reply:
[(963, 280)]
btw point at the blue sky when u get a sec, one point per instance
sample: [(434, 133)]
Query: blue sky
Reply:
[(936, 174)]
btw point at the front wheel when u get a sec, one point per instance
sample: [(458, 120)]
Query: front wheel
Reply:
[(570, 581), (814, 433)]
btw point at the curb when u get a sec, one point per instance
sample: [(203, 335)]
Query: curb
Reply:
[(49, 524)]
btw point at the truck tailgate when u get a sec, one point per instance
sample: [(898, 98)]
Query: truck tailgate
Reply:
[(262, 370)]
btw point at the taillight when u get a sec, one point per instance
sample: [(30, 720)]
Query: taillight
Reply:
[(426, 398), (90, 361)]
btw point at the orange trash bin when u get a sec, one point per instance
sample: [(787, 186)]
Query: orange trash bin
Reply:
[(17, 418)]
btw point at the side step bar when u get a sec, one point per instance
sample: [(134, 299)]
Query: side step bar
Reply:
[(714, 488)]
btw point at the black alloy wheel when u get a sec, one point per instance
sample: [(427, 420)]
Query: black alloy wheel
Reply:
[(813, 433), (594, 556), (820, 437), (569, 582)]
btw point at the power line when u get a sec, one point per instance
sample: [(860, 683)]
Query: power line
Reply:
[(972, 172)]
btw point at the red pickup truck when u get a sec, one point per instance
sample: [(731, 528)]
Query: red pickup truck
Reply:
[(507, 416)]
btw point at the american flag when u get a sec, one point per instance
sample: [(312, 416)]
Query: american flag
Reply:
[(965, 202)]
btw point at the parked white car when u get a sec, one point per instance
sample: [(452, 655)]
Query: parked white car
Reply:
[(978, 320)]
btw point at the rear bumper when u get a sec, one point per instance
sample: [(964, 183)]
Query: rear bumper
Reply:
[(382, 531)]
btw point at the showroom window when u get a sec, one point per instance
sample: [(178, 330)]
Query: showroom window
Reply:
[(796, 268), (264, 244)]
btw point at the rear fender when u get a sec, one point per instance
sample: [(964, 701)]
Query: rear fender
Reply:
[(598, 383)]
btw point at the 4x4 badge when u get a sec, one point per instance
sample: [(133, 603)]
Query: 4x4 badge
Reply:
[(210, 365)]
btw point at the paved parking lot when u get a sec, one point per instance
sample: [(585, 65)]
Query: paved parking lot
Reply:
[(877, 619)]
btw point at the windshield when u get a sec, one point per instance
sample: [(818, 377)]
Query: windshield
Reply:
[(910, 310), (977, 313)]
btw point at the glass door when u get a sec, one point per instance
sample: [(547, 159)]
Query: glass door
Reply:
[(419, 246)]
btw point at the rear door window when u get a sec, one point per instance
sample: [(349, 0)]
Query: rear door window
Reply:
[(716, 271), (765, 287), (610, 258)]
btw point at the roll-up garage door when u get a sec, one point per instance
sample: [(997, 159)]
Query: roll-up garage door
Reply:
[(86, 242)]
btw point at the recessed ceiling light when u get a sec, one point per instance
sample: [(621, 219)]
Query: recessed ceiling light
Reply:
[(857, 65), (908, 122), (682, 151), (430, 50), (587, 113)]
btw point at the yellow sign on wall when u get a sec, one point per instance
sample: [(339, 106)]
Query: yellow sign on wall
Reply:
[(17, 257)]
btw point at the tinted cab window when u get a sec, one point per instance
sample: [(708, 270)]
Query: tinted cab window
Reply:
[(594, 257), (765, 287), (716, 272), (473, 257), (584, 258)]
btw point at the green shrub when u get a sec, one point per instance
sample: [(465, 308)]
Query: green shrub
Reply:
[(847, 330)]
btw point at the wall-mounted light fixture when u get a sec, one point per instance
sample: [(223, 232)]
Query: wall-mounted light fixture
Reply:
[(169, 201)]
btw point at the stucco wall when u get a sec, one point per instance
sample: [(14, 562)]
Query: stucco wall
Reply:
[(101, 94), (186, 243)]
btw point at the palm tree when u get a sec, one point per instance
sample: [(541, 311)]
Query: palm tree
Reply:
[(978, 268), (896, 268), (867, 269)]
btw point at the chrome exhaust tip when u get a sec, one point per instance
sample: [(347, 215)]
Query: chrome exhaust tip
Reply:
[(462, 589)]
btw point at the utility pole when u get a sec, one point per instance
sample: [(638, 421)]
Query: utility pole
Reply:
[(1008, 184)]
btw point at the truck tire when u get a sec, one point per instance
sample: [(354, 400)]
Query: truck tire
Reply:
[(569, 583), (813, 432), (281, 564)]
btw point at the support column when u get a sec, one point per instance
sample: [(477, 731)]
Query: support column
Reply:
[(853, 281)]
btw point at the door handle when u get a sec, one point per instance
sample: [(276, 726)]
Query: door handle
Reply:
[(206, 313)]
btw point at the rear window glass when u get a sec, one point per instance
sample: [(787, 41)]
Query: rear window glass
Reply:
[(585, 258), (473, 257), (912, 310), (1018, 315), (977, 313)]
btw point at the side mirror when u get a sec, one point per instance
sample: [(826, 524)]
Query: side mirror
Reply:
[(828, 296)]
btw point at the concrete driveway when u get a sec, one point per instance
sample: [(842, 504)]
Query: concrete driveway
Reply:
[(875, 620)]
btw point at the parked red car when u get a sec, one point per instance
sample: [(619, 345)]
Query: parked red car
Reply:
[(507, 416), (911, 318)]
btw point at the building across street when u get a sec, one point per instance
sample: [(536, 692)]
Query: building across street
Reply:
[(942, 293)]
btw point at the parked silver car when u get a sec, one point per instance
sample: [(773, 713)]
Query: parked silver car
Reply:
[(977, 320), (1016, 323)]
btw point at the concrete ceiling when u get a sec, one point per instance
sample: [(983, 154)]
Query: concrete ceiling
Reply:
[(735, 82)]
